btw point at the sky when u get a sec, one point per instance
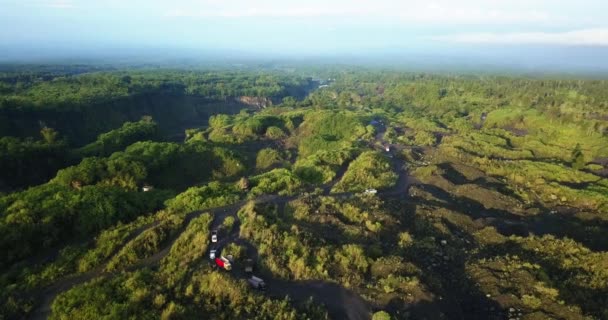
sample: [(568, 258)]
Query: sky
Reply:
[(311, 27)]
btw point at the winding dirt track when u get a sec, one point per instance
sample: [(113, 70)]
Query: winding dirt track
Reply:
[(340, 302), (47, 295)]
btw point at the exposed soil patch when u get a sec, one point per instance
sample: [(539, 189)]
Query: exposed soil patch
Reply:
[(598, 116), (575, 185), (601, 161), (341, 303), (516, 131), (600, 173), (453, 175), (506, 227)]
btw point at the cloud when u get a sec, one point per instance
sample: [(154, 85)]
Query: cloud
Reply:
[(54, 4), (586, 37), (404, 11)]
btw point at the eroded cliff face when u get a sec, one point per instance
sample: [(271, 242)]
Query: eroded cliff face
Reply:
[(257, 102), (172, 113)]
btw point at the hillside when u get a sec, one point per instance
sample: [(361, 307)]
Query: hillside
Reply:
[(379, 195)]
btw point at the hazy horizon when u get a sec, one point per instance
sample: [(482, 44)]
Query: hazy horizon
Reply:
[(539, 35)]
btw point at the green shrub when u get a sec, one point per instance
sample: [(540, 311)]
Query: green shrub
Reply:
[(228, 223), (108, 242), (329, 131), (226, 163), (275, 133), (120, 297), (381, 315), (189, 248), (282, 181), (578, 159), (146, 244), (267, 158), (117, 140), (369, 170), (321, 167), (531, 301), (405, 240), (212, 195), (424, 138), (220, 121)]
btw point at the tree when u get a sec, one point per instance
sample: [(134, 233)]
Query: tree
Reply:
[(275, 133), (578, 158), (48, 134), (381, 315), (289, 102), (405, 239), (268, 158), (243, 184)]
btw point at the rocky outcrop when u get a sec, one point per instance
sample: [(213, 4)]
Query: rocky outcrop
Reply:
[(258, 102)]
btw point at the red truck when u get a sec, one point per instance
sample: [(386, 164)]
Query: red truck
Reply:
[(223, 263)]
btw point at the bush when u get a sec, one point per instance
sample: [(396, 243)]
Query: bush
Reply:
[(405, 240), (226, 163), (275, 133), (117, 140), (578, 159), (190, 247), (531, 301), (268, 158), (369, 170), (146, 244), (351, 263), (282, 181), (121, 172), (228, 223), (381, 315), (220, 121), (329, 131), (424, 138), (121, 297), (321, 167), (212, 195)]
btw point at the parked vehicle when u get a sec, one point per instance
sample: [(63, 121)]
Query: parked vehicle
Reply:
[(257, 283), (249, 266), (214, 236), (371, 191), (223, 263), (212, 254)]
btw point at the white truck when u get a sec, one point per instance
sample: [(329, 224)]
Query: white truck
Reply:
[(371, 191), (257, 283)]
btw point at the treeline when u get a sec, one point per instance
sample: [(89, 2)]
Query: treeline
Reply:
[(43, 217), (116, 140), (82, 105), (28, 162), (82, 90), (97, 193), (463, 94), (478, 147)]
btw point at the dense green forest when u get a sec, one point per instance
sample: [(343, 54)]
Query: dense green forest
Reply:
[(356, 193), (82, 105)]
